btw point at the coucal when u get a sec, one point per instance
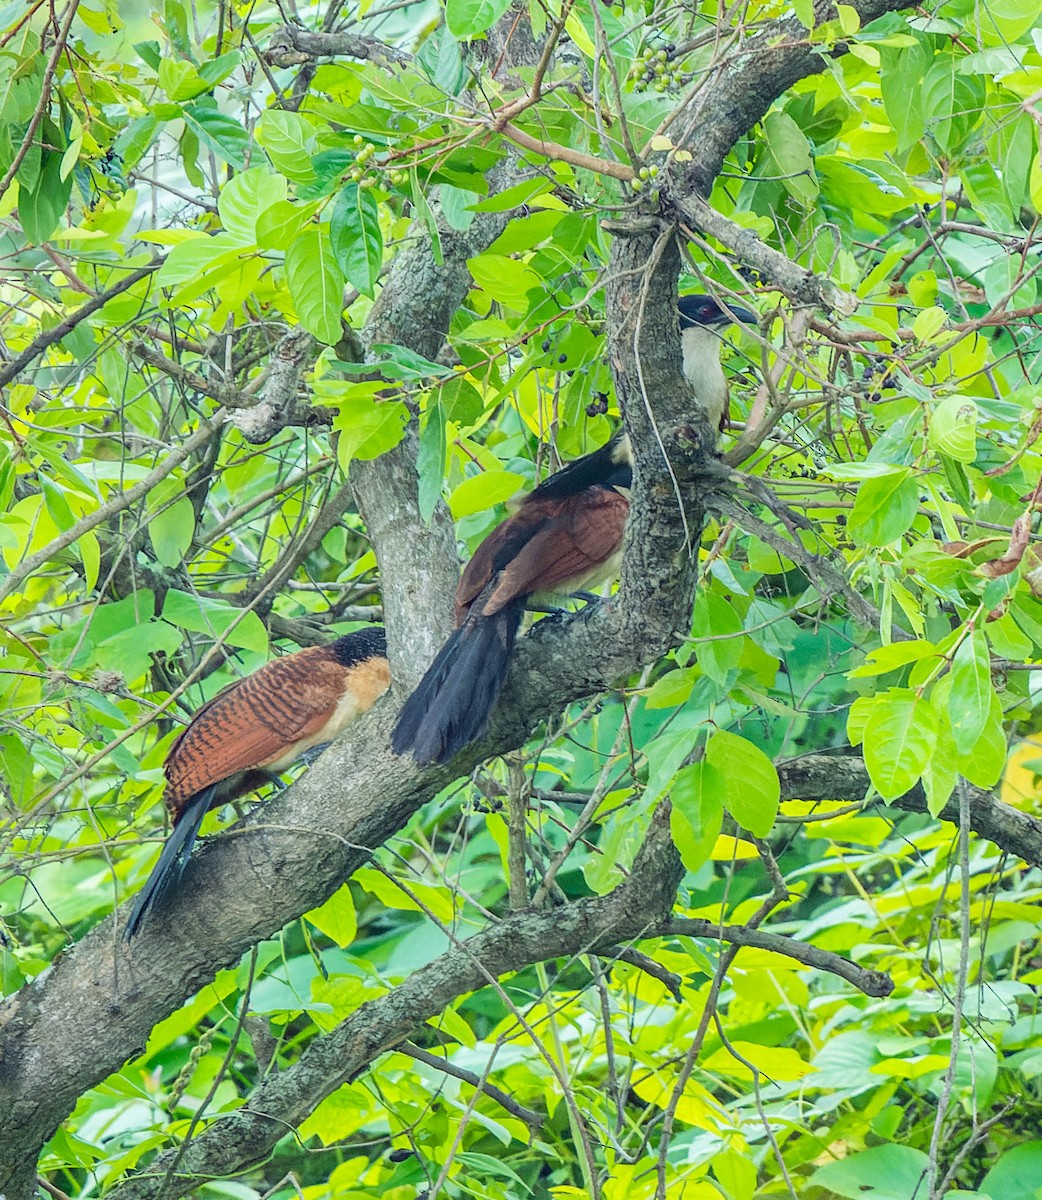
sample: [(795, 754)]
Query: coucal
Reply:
[(701, 322), (564, 536), (253, 730)]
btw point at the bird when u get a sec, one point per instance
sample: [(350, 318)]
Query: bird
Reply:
[(702, 321), (254, 729), (564, 536)]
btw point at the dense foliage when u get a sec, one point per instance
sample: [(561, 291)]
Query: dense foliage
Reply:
[(228, 242)]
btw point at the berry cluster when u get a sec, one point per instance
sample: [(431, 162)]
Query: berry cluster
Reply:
[(366, 173), (644, 175), (657, 68)]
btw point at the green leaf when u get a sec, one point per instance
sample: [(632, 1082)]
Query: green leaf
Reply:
[(461, 400), (222, 134), (697, 792), (884, 508), (209, 615), (316, 284), (482, 491), (218, 69), (278, 225), (368, 426), (171, 531), (752, 787), (423, 895), (473, 18), (244, 197), (929, 322), (901, 76), (881, 1173), (354, 231), (892, 658), (426, 215), (180, 80), (718, 634), (289, 140), (969, 700), (336, 918), (1016, 1174), (789, 150), (899, 739), (41, 208), (952, 102), (953, 428), (430, 463), (504, 279)]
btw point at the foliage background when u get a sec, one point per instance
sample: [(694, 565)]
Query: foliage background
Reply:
[(280, 285)]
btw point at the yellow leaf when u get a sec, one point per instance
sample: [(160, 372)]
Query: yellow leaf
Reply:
[(732, 849), (660, 142), (1020, 781), (697, 1105)]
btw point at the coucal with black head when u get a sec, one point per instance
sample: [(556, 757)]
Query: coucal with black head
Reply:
[(253, 730), (564, 536), (702, 322)]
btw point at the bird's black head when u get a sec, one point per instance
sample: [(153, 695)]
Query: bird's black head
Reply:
[(610, 466), (363, 644), (700, 309)]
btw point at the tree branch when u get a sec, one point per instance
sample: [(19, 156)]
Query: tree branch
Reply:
[(283, 1099), (50, 336), (844, 777), (872, 983)]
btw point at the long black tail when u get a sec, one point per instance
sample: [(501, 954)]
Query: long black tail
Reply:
[(452, 702), (171, 863)]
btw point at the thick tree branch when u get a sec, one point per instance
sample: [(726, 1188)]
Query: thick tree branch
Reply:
[(285, 1098), (293, 45), (844, 777)]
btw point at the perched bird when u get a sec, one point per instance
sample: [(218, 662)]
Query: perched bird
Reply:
[(254, 729), (564, 536), (702, 321)]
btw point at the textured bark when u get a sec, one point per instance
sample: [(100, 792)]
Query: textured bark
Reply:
[(749, 80), (235, 1142), (844, 777)]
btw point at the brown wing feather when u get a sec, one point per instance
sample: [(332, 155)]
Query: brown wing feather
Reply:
[(581, 534), (253, 723)]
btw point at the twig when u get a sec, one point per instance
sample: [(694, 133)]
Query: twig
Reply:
[(45, 96), (531, 1118), (50, 336), (873, 983)]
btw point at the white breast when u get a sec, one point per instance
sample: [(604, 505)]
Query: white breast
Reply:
[(703, 372)]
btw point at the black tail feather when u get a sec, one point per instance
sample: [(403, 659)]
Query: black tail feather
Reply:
[(451, 704), (172, 861)]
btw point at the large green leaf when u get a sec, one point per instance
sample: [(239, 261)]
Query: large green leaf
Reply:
[(880, 1173), (354, 231), (224, 135), (244, 197), (753, 789), (698, 793), (316, 284), (473, 18), (969, 700), (885, 508), (899, 739)]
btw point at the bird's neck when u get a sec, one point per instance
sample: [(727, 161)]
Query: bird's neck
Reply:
[(703, 372)]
